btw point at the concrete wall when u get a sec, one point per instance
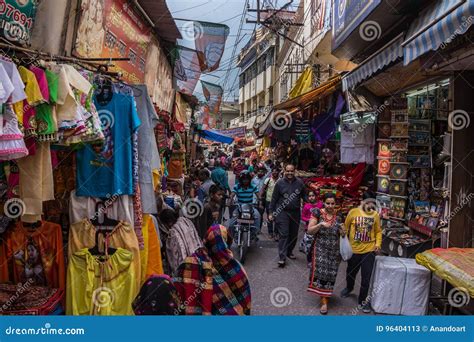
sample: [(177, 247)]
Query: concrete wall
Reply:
[(49, 32), (54, 32)]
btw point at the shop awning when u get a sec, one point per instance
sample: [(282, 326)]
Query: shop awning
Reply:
[(159, 13), (437, 25), (312, 96), (215, 136), (386, 55), (262, 128)]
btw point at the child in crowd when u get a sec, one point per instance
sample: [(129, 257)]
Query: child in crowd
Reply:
[(305, 244), (210, 214)]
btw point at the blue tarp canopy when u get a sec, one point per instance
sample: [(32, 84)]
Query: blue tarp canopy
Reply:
[(215, 136)]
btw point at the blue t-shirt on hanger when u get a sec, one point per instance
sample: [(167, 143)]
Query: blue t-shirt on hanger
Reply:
[(106, 170)]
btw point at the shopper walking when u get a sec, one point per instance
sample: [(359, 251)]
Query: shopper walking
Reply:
[(365, 235), (306, 213), (285, 209), (206, 183), (266, 195), (325, 226), (219, 176)]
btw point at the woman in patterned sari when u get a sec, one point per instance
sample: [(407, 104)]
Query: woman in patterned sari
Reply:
[(325, 226)]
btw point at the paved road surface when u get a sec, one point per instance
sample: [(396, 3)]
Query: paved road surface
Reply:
[(277, 291)]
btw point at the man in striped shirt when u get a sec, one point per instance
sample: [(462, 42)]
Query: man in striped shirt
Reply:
[(246, 193)]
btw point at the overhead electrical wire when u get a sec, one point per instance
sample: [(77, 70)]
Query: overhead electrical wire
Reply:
[(242, 19), (190, 8)]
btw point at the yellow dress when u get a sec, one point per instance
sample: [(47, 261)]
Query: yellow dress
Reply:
[(32, 91), (150, 256), (96, 287), (82, 235)]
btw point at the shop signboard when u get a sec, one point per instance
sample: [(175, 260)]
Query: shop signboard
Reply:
[(347, 16), (112, 28), (238, 132), (16, 19)]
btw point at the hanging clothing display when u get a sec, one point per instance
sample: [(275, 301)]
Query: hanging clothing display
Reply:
[(120, 208), (82, 235), (36, 181), (150, 257), (12, 145), (69, 80), (13, 86), (357, 143), (35, 254), (100, 287), (148, 157), (106, 170), (302, 131), (78, 147)]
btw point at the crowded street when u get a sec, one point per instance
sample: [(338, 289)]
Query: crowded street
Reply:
[(283, 291), (237, 158)]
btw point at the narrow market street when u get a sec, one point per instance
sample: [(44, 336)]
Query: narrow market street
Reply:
[(277, 291), (237, 158)]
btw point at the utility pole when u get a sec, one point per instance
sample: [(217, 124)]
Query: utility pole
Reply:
[(267, 22)]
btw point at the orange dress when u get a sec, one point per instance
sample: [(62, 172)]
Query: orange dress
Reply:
[(34, 255)]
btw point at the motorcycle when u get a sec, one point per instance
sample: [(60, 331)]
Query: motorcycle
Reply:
[(244, 229)]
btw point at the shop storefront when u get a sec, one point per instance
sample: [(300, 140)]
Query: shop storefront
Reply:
[(87, 147), (418, 82)]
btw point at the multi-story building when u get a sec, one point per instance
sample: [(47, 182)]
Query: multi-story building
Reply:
[(308, 46), (229, 111), (257, 78)]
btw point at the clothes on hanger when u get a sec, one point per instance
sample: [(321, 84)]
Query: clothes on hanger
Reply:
[(104, 288), (106, 170), (34, 254)]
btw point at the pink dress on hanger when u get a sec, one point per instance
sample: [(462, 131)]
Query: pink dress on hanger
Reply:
[(12, 145)]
